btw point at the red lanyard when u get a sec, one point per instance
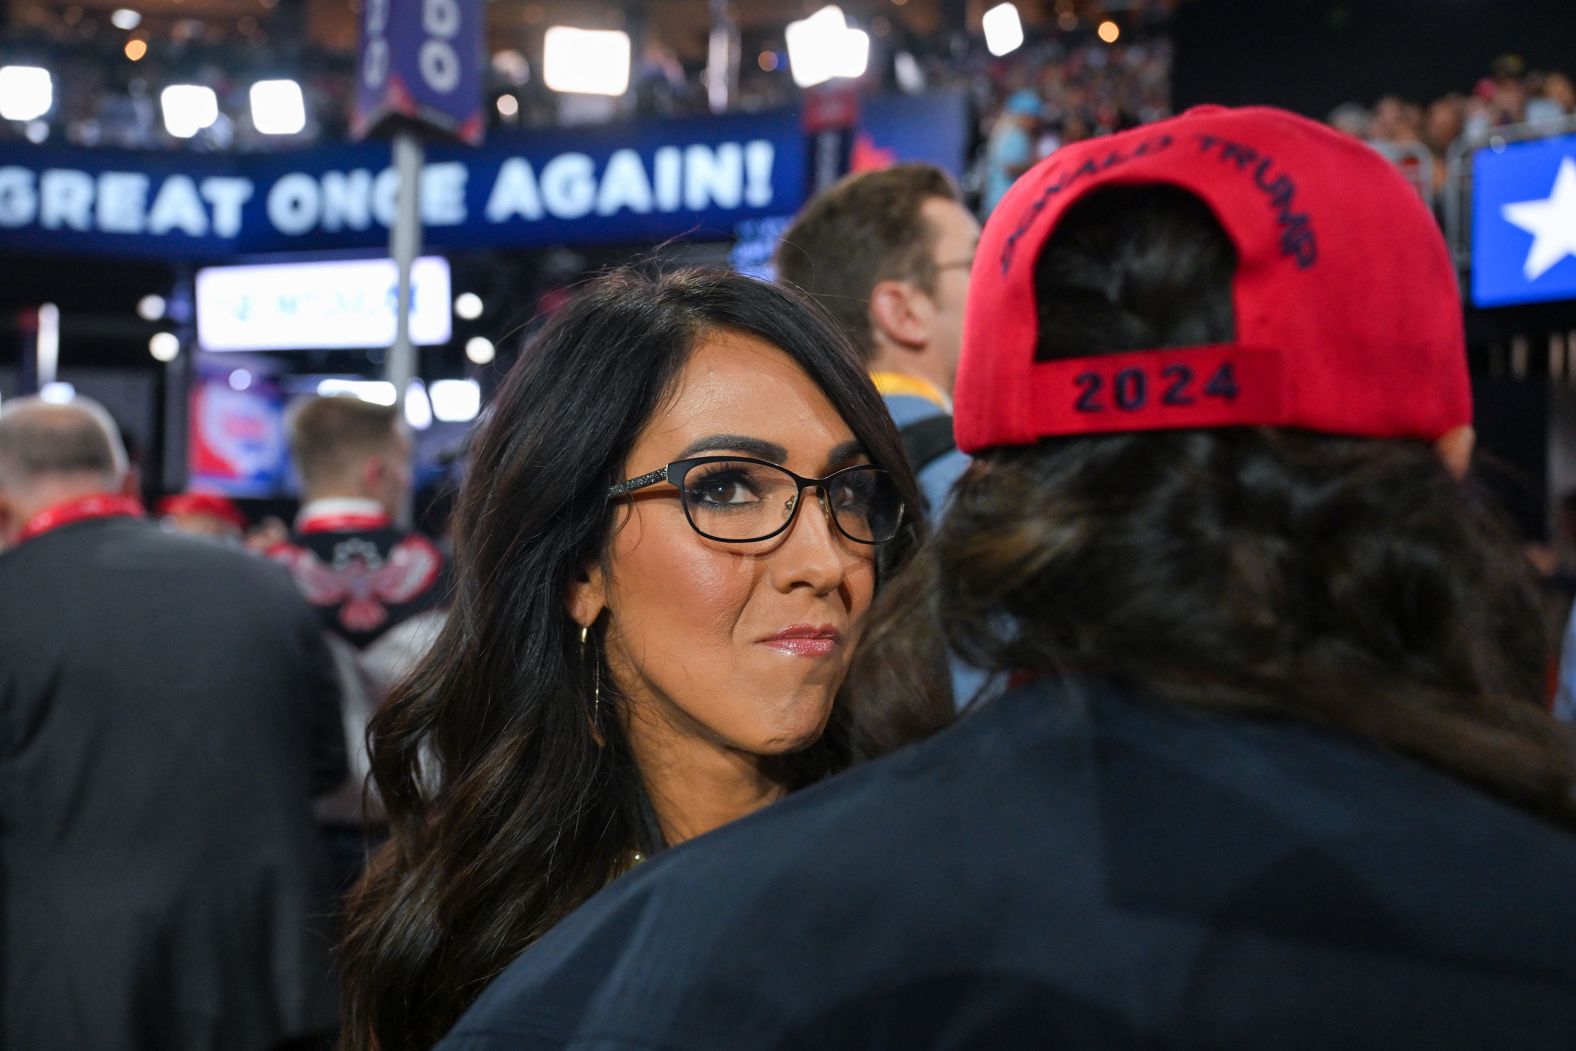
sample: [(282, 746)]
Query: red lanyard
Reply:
[(82, 509), (343, 523)]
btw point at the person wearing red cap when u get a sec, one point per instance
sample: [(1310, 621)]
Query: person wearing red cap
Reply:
[(202, 514), (167, 714), (1274, 771)]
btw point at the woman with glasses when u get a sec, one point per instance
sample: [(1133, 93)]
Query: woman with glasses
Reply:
[(679, 509)]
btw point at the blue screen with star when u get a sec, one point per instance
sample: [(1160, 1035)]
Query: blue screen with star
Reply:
[(1524, 222)]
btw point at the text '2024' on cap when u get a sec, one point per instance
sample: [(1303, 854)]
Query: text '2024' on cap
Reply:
[(1348, 316)]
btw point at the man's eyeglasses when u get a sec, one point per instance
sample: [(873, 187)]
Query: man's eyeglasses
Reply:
[(738, 499)]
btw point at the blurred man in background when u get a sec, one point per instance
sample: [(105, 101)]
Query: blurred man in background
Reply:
[(167, 714), (378, 589), (887, 253)]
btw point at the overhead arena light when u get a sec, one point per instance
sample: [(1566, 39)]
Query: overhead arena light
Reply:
[(586, 61), (125, 18), (26, 92), (418, 409), (1003, 29), (164, 346), (823, 46), (188, 109), (468, 306), (456, 401), (480, 350), (378, 392), (278, 107)]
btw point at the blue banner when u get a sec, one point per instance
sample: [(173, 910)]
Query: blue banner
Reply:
[(421, 60), (629, 184), (1524, 223), (932, 128)]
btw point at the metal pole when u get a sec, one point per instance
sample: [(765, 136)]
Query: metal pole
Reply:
[(404, 245), (47, 344), (722, 57)]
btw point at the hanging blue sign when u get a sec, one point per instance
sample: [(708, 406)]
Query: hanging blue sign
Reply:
[(634, 184), (1524, 222), (421, 62)]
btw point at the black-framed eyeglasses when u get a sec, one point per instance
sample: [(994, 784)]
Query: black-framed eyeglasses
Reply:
[(739, 499)]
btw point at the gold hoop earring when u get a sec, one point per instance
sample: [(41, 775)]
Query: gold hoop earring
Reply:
[(596, 678)]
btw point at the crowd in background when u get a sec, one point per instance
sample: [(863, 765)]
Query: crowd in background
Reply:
[(1055, 95), (1509, 94), (106, 100), (1049, 92)]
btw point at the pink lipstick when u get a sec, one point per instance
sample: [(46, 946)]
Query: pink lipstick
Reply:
[(805, 640)]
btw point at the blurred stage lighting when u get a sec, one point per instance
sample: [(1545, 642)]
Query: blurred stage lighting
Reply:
[(1109, 31), (823, 46), (456, 401), (586, 61), (125, 18), (378, 392), (151, 308), (418, 409), (26, 92), (1003, 29), (508, 105), (57, 393), (46, 344), (136, 48), (468, 305), (511, 66), (188, 109), (480, 350), (277, 107), (164, 346)]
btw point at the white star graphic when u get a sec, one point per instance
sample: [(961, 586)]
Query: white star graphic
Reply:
[(1551, 222)]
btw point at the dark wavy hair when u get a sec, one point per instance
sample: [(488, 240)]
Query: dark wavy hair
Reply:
[(505, 809), (1258, 571)]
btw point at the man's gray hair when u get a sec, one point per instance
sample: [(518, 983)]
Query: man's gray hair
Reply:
[(40, 439)]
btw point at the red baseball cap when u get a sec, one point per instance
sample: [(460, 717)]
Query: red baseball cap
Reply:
[(1348, 317), (199, 503)]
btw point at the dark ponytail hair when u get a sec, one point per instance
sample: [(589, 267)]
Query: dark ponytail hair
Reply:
[(1258, 571), (505, 809)]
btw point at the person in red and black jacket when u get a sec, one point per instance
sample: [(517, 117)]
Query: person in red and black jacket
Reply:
[(378, 589)]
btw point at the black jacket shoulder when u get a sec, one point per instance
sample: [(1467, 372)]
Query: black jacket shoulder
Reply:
[(1074, 865)]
